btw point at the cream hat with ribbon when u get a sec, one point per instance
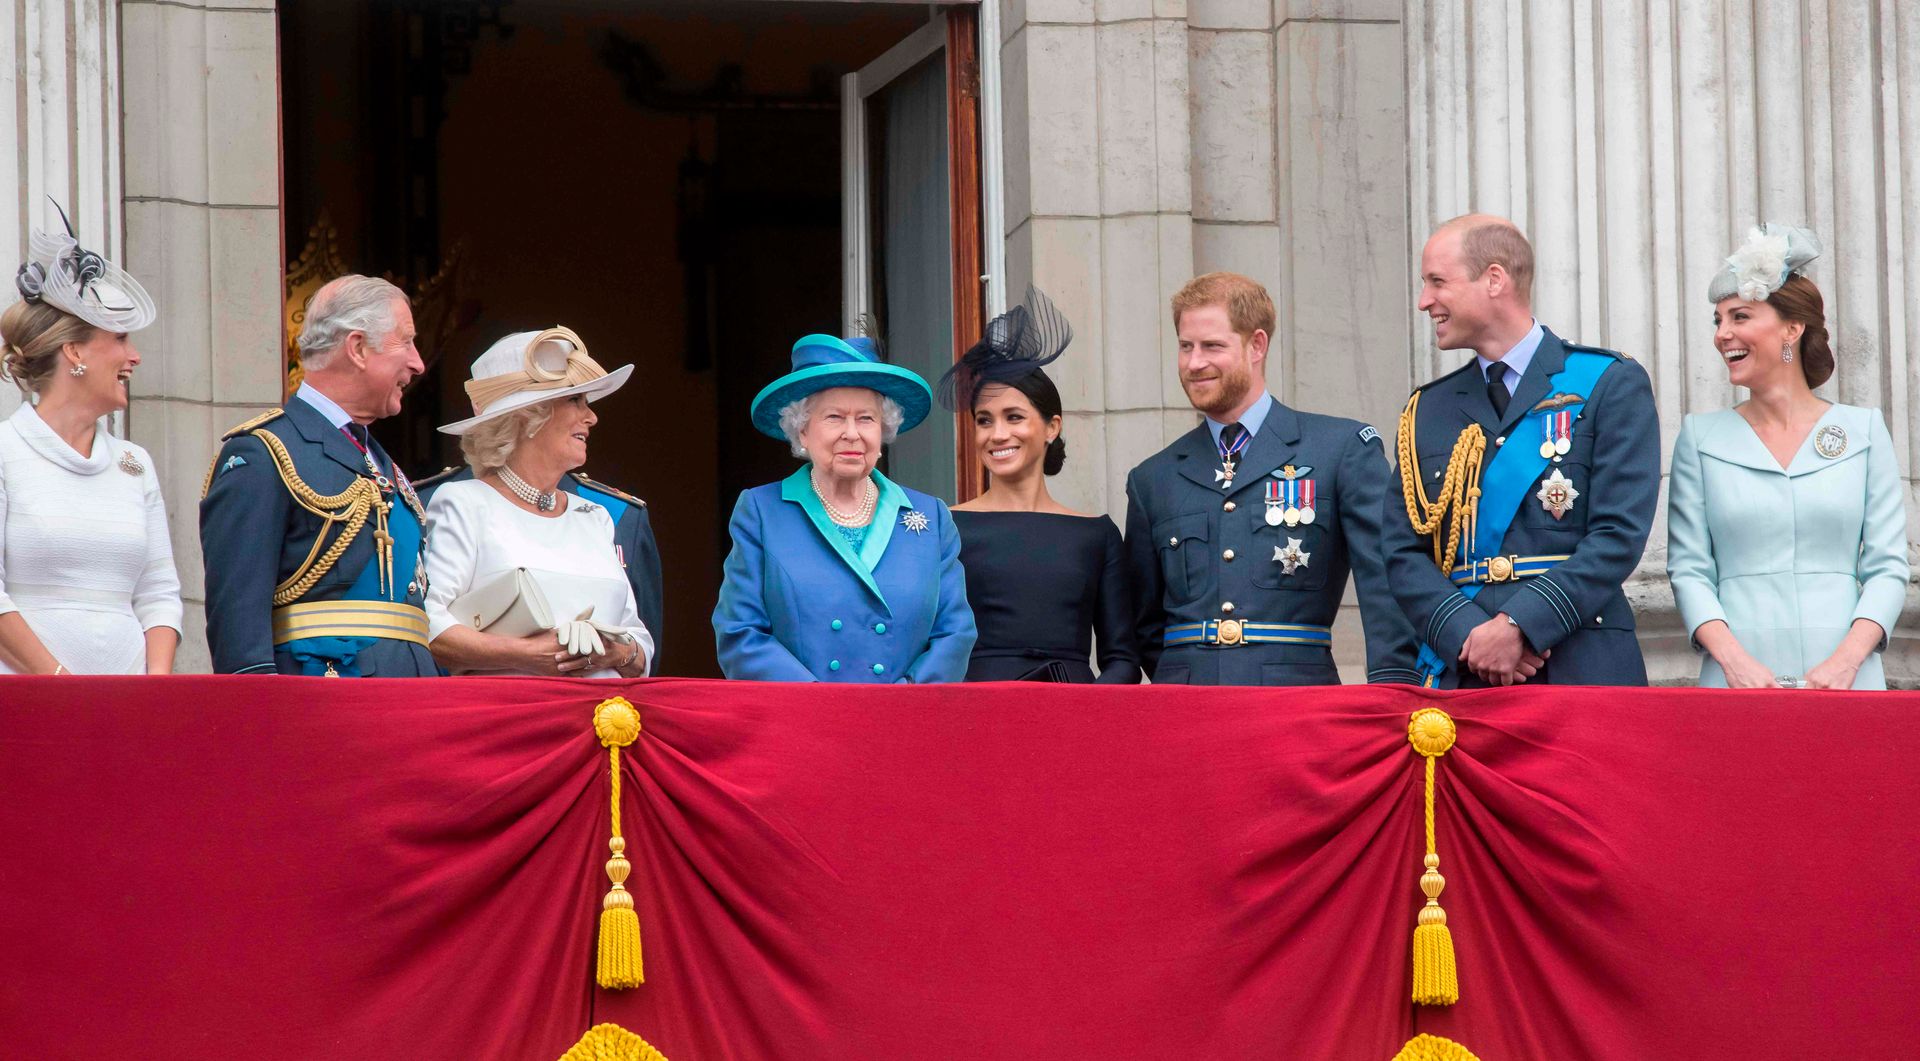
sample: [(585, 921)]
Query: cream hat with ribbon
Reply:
[(527, 368)]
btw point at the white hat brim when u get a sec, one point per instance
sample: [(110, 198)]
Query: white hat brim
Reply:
[(594, 390)]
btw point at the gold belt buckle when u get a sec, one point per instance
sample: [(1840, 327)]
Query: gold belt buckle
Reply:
[(1229, 632), (1499, 568)]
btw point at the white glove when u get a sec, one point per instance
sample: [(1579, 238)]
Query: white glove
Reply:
[(619, 635), (579, 636)]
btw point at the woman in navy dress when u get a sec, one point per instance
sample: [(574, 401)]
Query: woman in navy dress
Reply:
[(1045, 582)]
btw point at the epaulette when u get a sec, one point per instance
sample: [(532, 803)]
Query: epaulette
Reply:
[(1445, 376), (595, 484), (437, 477), (1579, 348), (241, 429)]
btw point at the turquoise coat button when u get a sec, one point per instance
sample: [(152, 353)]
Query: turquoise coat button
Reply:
[(836, 624), (879, 668), (879, 628), (833, 664)]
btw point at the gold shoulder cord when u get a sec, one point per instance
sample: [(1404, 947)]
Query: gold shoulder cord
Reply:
[(350, 506), (1459, 489)]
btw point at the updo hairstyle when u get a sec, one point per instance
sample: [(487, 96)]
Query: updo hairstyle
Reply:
[(34, 333), (1799, 300)]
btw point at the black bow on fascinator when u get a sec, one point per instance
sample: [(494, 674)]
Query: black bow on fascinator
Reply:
[(1017, 343), (60, 273)]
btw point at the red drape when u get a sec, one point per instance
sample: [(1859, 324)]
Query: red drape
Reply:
[(305, 868)]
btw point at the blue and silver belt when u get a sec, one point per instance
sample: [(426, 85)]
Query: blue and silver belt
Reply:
[(1229, 632), (1504, 569)]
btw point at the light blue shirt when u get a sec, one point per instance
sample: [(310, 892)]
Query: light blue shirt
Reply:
[(328, 407), (1251, 420), (1517, 358)]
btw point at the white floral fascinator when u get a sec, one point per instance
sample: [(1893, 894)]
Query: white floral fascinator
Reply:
[(1772, 253)]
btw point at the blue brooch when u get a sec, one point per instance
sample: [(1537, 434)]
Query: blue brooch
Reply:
[(914, 520)]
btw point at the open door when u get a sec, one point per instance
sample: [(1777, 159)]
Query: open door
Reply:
[(911, 226)]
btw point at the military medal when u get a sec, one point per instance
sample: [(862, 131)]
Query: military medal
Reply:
[(1830, 441), (1228, 454), (1276, 508), (1305, 487), (1557, 494), (1558, 431), (1290, 556)]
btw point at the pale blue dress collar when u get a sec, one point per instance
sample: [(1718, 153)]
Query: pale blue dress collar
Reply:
[(1254, 417), (1517, 358)]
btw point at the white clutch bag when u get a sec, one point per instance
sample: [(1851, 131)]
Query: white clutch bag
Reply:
[(510, 605)]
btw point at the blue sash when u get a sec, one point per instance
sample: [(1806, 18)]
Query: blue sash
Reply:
[(1510, 476), (315, 653)]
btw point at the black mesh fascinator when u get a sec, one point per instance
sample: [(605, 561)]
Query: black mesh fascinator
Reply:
[(1017, 343)]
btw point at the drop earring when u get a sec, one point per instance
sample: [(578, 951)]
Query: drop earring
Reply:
[(1786, 352), (79, 369)]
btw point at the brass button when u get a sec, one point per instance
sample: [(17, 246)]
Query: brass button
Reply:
[(1228, 507), (1226, 606), (1227, 556)]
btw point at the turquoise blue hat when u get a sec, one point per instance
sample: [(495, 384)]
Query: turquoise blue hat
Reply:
[(822, 362)]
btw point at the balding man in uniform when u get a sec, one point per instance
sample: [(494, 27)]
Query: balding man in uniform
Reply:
[(1528, 478)]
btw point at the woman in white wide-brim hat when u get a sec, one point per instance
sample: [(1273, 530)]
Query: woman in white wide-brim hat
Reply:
[(87, 582), (531, 418)]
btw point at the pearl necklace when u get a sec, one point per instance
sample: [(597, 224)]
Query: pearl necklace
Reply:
[(856, 519), (523, 490)]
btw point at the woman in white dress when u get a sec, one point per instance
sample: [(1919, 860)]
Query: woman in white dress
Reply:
[(530, 425), (1786, 521), (87, 583)]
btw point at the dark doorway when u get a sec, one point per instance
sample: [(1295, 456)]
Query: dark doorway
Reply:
[(663, 177)]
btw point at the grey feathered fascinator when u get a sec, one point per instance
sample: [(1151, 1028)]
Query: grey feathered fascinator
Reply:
[(1772, 253)]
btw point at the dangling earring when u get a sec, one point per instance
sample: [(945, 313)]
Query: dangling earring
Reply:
[(1786, 352), (79, 369)]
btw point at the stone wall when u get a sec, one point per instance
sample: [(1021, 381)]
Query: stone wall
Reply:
[(1637, 141), (202, 131), (1152, 140), (1312, 144)]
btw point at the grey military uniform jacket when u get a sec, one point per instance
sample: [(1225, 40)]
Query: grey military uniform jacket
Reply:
[(1577, 610), (1200, 552)]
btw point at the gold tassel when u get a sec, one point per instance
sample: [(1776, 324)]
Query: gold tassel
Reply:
[(1435, 980), (617, 723), (611, 1042), (1424, 1047)]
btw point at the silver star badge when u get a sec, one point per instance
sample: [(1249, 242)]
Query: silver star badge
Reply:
[(1557, 494), (1291, 557), (914, 520)]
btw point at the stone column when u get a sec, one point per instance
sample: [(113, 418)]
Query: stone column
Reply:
[(202, 133), (1636, 142), (1150, 140), (59, 130), (1099, 196)]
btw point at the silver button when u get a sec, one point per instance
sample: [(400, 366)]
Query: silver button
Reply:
[(1597, 620), (1226, 606), (1501, 441), (1173, 543), (1227, 507), (1227, 556), (413, 587)]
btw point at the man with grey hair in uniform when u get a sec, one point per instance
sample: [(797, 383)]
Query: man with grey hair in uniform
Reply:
[(312, 536)]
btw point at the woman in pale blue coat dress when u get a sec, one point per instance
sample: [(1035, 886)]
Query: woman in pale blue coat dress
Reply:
[(837, 573), (1786, 529)]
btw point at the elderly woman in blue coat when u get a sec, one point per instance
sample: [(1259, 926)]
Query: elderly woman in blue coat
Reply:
[(837, 573)]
